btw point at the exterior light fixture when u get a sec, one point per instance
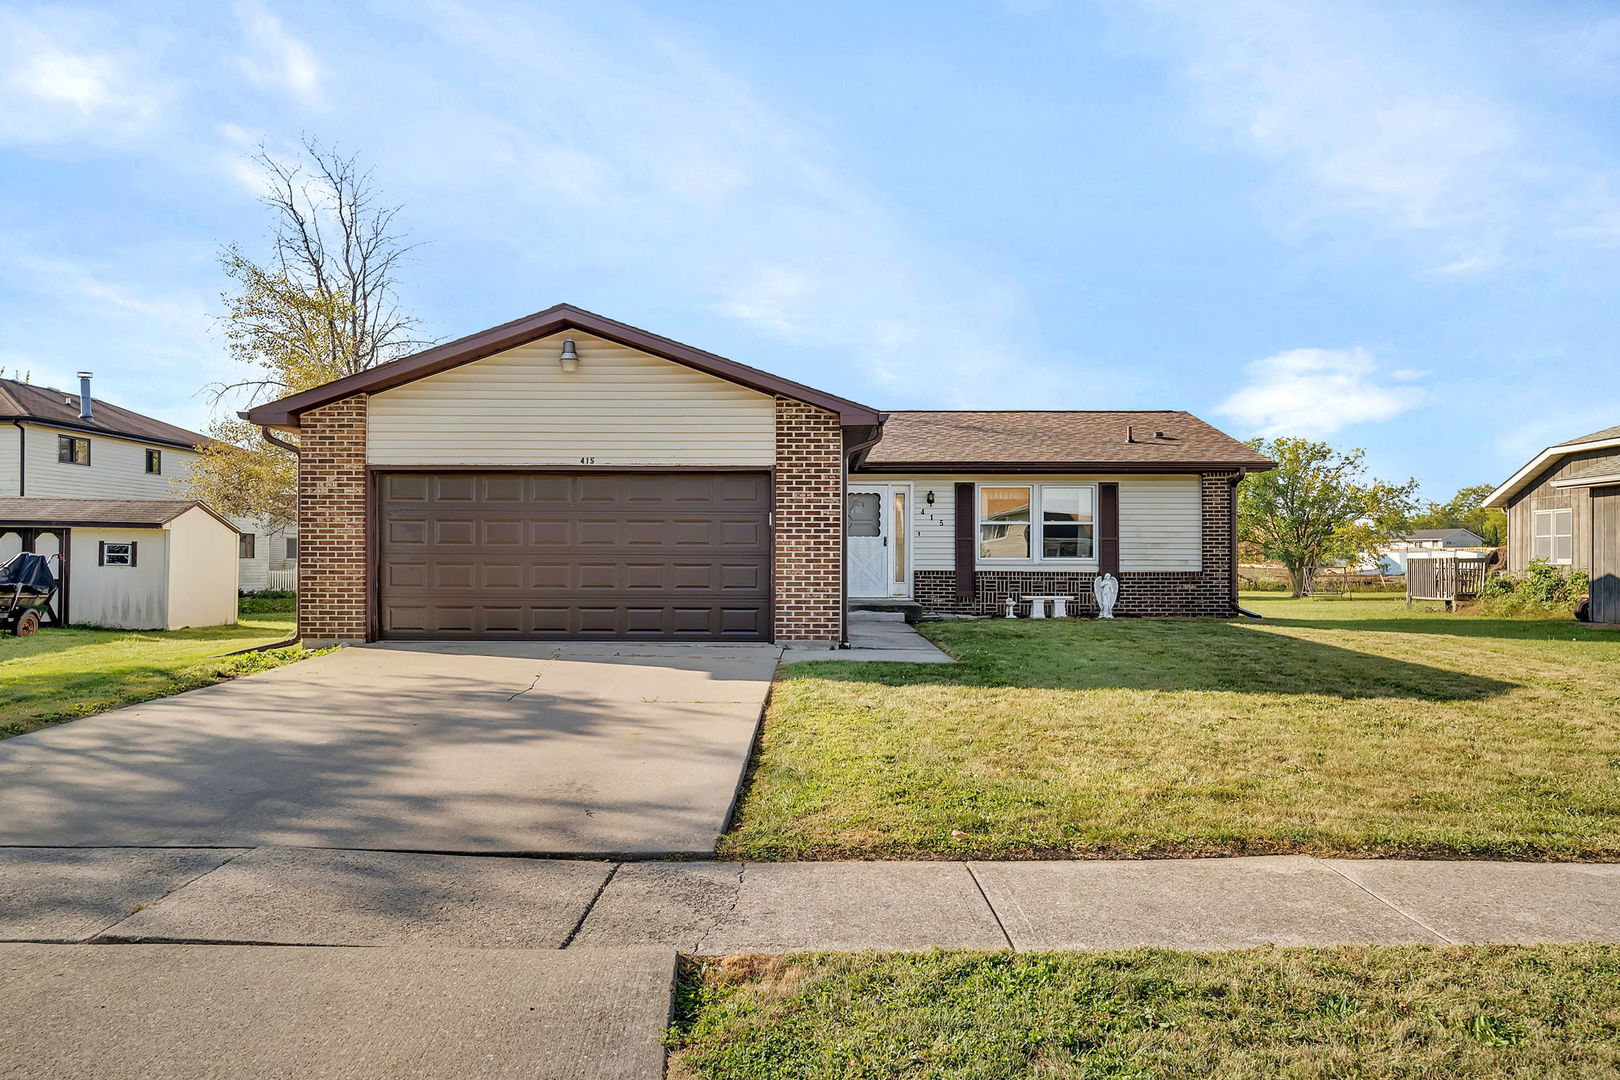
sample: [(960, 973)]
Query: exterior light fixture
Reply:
[(569, 358), (930, 497)]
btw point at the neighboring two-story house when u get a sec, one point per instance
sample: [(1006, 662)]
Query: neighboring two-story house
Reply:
[(60, 445)]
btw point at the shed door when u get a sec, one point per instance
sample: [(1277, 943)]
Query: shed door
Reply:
[(1605, 605), (638, 556)]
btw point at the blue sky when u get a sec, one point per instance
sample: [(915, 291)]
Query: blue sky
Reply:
[(1392, 225)]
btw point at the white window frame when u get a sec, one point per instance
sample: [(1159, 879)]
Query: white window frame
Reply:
[(1037, 541), (1544, 545), (107, 556)]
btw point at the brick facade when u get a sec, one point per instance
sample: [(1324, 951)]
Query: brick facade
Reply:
[(1206, 592), (808, 519), (332, 554)]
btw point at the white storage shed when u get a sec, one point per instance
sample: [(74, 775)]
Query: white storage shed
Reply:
[(130, 564)]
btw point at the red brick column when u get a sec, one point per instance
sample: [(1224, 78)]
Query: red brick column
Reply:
[(332, 523), (808, 552)]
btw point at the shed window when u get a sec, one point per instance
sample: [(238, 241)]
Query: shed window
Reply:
[(115, 553), (71, 450), (1553, 535), (154, 461), (1039, 522), (245, 545)]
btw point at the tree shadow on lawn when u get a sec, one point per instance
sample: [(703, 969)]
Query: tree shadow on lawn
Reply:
[(1462, 625), (1163, 655)]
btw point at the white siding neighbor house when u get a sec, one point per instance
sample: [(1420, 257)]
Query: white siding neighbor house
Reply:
[(56, 444)]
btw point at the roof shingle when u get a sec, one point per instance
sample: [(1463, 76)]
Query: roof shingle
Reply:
[(130, 513), (25, 401), (1089, 440)]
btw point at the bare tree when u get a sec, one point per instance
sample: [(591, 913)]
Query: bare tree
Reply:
[(324, 304)]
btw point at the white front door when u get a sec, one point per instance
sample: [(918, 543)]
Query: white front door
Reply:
[(875, 522)]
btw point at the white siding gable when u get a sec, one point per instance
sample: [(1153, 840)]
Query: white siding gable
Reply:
[(621, 407)]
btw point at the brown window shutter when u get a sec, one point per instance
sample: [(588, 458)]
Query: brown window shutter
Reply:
[(967, 527), (132, 544), (1108, 529), (101, 553)]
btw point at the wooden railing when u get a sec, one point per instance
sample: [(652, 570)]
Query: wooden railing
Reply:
[(1443, 577)]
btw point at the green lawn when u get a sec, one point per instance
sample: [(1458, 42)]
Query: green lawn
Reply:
[(63, 674), (1333, 726), (1457, 1012)]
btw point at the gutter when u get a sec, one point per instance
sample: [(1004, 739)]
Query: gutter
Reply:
[(850, 454), (281, 443), (22, 459)]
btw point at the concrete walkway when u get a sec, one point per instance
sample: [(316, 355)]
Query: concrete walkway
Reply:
[(877, 635), (319, 897)]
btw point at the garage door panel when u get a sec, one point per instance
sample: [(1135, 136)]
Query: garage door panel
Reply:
[(646, 556)]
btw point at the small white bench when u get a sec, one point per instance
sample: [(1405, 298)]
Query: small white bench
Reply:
[(1037, 606)]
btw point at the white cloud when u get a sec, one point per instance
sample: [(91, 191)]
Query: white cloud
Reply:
[(64, 77), (1317, 392), (1376, 117), (279, 59)]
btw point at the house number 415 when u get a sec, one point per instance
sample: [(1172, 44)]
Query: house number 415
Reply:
[(587, 461)]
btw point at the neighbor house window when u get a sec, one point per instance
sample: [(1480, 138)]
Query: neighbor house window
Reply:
[(1067, 521), (154, 461), (292, 547), (1043, 522), (115, 554), (1552, 535), (245, 544), (1004, 520), (72, 451)]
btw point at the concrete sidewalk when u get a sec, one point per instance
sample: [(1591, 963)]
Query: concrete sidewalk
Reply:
[(294, 896), (74, 1012)]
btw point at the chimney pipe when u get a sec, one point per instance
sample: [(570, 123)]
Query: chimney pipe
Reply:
[(84, 396)]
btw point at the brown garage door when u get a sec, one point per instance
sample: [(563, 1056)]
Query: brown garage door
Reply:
[(639, 556)]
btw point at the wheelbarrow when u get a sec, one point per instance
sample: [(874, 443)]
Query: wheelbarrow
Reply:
[(27, 588)]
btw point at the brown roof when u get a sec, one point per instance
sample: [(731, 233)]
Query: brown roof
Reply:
[(107, 513), (24, 401), (1157, 440), (285, 412)]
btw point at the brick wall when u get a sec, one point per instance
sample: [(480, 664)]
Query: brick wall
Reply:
[(808, 553), (1206, 592), (332, 523)]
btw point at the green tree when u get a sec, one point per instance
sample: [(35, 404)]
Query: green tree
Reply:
[(1318, 506), (321, 306), (1463, 511)]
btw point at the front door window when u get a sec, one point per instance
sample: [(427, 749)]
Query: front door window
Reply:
[(865, 514)]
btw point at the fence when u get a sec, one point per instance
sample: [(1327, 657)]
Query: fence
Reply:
[(1443, 577), (282, 579)]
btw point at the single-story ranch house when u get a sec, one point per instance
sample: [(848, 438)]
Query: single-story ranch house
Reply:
[(1564, 506), (569, 476)]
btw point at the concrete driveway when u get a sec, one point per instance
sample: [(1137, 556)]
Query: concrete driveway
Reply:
[(519, 748)]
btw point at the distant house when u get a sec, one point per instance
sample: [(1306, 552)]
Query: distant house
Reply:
[(1564, 506), (59, 445), (1391, 558)]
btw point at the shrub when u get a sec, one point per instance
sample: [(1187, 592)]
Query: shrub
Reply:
[(1542, 588)]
